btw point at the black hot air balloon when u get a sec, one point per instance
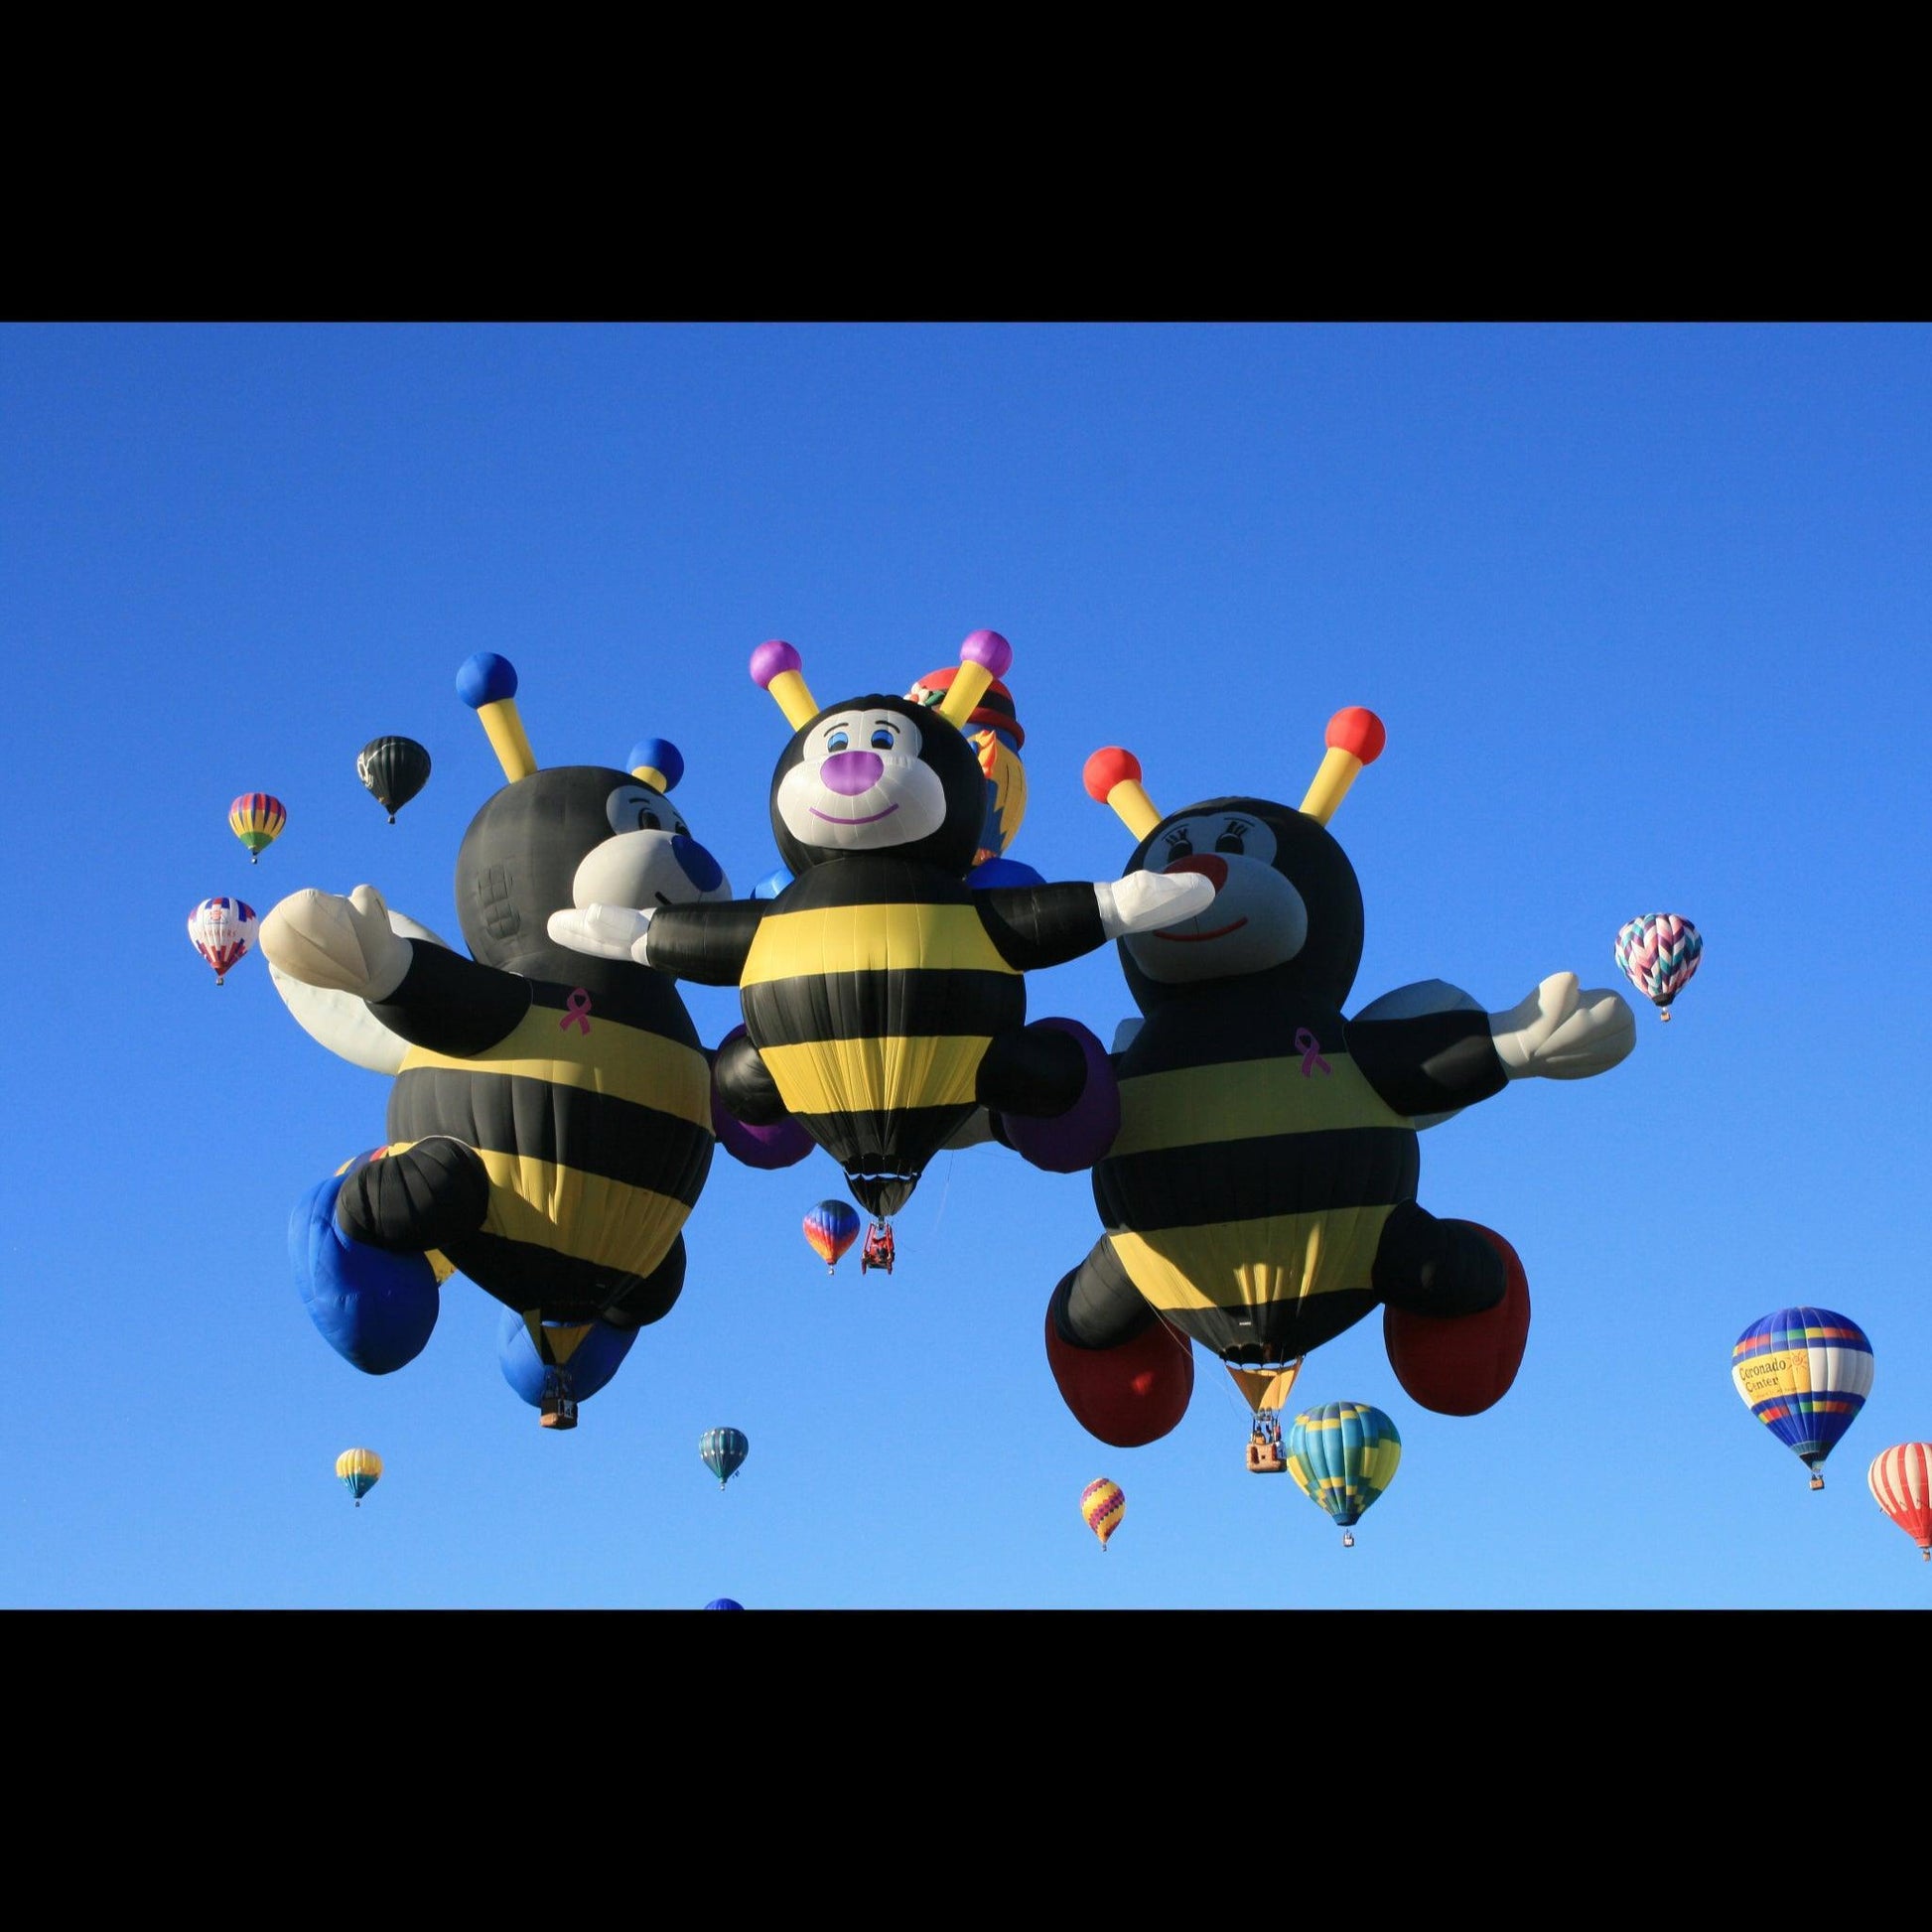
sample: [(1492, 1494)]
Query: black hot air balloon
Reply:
[(395, 770)]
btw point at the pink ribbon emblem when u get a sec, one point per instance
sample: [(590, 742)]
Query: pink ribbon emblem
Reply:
[(579, 1015), (1310, 1049)]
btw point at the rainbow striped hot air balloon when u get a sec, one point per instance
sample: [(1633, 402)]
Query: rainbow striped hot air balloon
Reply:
[(1901, 1480), (358, 1470), (256, 819), (223, 929), (1342, 1456), (832, 1227), (1804, 1373), (1102, 1505), (1658, 952)]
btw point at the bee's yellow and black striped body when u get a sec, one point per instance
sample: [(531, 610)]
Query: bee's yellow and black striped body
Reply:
[(1246, 1194), (592, 1115), (881, 994)]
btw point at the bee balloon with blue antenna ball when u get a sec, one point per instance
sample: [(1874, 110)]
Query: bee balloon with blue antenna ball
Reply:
[(551, 1120)]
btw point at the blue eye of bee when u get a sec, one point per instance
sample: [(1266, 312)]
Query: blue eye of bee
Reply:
[(881, 739), (837, 742)]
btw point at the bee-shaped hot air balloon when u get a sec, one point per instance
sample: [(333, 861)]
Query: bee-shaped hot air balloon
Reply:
[(885, 998), (1259, 1195), (551, 1122), (256, 819)]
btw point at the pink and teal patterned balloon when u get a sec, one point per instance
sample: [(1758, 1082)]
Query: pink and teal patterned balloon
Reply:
[(1658, 953)]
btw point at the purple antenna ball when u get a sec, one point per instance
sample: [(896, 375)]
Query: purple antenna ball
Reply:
[(772, 659), (987, 648)]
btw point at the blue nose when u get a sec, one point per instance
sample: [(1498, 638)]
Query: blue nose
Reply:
[(697, 865)]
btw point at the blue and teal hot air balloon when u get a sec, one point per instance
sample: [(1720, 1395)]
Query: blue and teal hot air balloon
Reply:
[(724, 1604), (1344, 1455), (1804, 1373), (723, 1450)]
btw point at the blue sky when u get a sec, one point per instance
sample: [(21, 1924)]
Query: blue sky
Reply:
[(1644, 609)]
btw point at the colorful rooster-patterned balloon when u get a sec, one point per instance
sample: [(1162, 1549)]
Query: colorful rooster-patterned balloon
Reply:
[(1659, 953)]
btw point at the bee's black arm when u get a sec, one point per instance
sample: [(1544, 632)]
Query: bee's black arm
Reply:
[(1041, 925), (451, 1003), (1428, 1064), (707, 945)]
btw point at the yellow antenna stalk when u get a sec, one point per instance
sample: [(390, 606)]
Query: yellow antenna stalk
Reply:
[(1354, 738), (984, 656), (1114, 777), (487, 683), (775, 668)]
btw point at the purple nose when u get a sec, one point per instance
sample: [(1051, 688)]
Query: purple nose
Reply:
[(851, 772)]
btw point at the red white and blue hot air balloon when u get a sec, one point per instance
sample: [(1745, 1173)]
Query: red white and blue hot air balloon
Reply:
[(222, 931)]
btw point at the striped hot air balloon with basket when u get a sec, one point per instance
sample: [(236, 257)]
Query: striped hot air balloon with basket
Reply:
[(1901, 1480), (1804, 1373)]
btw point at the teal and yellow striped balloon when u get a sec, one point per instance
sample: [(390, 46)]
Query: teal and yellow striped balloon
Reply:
[(1344, 1455)]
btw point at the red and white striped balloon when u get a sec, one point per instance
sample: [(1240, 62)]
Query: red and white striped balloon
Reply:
[(1901, 1480)]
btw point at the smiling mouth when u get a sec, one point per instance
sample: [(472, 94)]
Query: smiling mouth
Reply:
[(1194, 938), (871, 818)]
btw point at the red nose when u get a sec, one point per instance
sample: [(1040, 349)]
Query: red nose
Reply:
[(1207, 864)]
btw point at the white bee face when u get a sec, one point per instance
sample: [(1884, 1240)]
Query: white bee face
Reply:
[(860, 785), (650, 858), (1256, 919)]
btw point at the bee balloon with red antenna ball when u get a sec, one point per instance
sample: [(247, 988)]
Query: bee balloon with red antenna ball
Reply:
[(884, 996), (1260, 1196)]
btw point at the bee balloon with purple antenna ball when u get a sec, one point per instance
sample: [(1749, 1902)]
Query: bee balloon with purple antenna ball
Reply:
[(884, 996), (551, 1120)]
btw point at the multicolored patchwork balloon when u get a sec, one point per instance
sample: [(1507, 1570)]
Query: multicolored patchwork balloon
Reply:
[(1102, 1505), (1804, 1373), (1342, 1456), (256, 819), (1900, 1478), (223, 929), (1659, 953)]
